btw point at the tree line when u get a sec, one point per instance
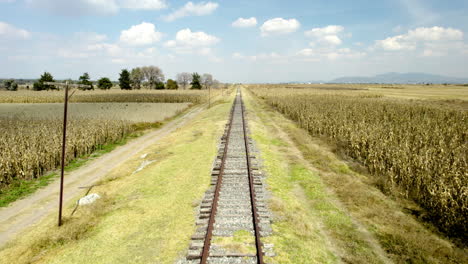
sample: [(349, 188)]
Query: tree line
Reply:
[(147, 77), (152, 77)]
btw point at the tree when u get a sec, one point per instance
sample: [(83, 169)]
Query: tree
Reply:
[(85, 80), (136, 78), (159, 86), (216, 84), (184, 79), (207, 80), (196, 81), (104, 83), (124, 80), (152, 75), (172, 85), (10, 85), (40, 86)]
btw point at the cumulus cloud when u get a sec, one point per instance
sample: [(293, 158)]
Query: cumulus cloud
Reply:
[(327, 35), (191, 9), (245, 22), (433, 40), (10, 31), (139, 35), (196, 43), (143, 4), (187, 38), (277, 26), (325, 31)]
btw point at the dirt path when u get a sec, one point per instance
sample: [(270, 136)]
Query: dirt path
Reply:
[(25, 212)]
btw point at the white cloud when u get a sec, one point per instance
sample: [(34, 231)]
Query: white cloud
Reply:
[(273, 56), (434, 34), (325, 31), (329, 53), (245, 22), (395, 43), (187, 38), (327, 35), (10, 31), (306, 52), (332, 40), (77, 7), (110, 49), (142, 34), (432, 40), (279, 26), (191, 9), (195, 43), (143, 4)]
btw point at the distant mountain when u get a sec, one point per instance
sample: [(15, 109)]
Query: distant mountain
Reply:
[(409, 78)]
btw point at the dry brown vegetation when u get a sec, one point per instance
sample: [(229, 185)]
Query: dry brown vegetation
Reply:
[(31, 147), (30, 140), (417, 149), (140, 96)]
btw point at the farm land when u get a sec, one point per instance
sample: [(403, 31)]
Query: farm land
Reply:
[(357, 173)]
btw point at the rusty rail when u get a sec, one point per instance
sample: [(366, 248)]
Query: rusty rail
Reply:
[(256, 224), (211, 221), (209, 232)]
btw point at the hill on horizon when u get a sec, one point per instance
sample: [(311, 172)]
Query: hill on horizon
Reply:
[(402, 78)]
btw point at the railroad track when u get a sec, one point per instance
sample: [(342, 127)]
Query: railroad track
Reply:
[(233, 214)]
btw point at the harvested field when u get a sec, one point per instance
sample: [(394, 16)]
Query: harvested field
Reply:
[(140, 96), (133, 112)]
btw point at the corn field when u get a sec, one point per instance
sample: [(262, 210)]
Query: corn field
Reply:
[(420, 150), (31, 147), (117, 96), (30, 142)]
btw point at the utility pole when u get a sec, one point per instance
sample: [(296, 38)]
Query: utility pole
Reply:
[(64, 139), (209, 96)]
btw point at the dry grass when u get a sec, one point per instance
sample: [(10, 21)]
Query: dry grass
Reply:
[(242, 242)]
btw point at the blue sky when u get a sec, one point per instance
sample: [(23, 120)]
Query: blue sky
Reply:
[(236, 41)]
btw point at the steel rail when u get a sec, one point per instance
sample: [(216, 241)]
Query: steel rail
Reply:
[(209, 232), (258, 243)]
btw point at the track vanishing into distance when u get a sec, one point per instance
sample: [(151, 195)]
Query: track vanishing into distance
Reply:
[(233, 214)]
